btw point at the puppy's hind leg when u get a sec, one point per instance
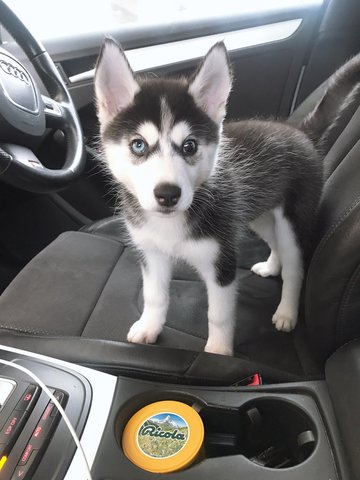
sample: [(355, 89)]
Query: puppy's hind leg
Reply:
[(285, 317), (264, 226), (156, 272)]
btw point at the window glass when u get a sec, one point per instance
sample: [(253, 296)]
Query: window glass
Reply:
[(50, 19)]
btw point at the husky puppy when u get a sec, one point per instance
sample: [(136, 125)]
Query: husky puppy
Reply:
[(190, 184)]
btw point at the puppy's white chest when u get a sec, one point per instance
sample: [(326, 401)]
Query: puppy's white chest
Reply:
[(164, 234), (169, 235)]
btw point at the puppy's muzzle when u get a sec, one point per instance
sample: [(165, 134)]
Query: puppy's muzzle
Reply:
[(167, 194)]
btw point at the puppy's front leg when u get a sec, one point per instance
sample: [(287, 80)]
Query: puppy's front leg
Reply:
[(221, 317), (219, 274), (156, 272)]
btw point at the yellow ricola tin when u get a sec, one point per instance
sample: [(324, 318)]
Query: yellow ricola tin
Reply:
[(163, 437)]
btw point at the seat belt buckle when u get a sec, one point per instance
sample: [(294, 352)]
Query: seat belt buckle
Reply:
[(251, 381)]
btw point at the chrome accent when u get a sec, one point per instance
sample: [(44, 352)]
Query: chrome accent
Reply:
[(14, 71), (184, 50), (297, 89), (30, 84)]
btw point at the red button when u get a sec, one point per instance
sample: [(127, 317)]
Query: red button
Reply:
[(37, 438), (22, 471), (26, 454), (11, 425), (28, 399), (48, 411), (255, 381), (37, 432)]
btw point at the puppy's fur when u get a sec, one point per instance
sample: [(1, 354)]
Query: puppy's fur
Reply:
[(189, 184)]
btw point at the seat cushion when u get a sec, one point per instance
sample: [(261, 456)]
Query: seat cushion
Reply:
[(89, 285)]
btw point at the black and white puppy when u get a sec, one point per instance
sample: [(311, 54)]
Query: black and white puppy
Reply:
[(189, 184)]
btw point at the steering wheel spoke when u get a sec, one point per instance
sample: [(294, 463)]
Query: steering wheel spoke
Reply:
[(54, 112), (22, 155)]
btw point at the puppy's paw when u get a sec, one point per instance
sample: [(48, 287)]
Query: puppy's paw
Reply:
[(284, 322), (266, 269), (143, 332), (219, 348)]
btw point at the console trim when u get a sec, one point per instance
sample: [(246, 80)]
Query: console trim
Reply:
[(103, 387)]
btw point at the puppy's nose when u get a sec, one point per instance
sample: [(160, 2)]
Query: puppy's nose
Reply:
[(167, 194)]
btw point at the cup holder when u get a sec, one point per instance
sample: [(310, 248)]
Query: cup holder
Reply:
[(273, 433)]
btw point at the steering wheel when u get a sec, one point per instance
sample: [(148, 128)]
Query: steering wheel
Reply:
[(25, 115)]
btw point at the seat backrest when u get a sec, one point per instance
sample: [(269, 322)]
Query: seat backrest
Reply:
[(332, 289)]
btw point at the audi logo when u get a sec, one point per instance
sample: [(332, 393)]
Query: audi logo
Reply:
[(14, 71)]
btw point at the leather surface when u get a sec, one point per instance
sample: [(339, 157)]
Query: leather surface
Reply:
[(342, 377), (333, 281), (144, 361)]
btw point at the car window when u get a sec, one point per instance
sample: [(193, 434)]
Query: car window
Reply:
[(51, 19)]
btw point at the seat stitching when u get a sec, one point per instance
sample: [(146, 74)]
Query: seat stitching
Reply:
[(191, 364), (34, 331), (332, 230), (184, 332), (102, 223), (105, 237), (349, 288), (122, 249), (345, 150), (321, 247), (91, 227), (95, 230), (133, 368)]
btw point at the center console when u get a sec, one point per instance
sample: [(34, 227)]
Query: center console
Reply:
[(293, 431), (34, 441)]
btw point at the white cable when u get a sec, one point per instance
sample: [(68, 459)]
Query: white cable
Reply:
[(58, 406)]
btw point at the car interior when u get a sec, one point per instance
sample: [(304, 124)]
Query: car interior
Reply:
[(286, 405)]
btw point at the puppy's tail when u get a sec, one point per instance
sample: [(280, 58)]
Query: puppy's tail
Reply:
[(342, 93)]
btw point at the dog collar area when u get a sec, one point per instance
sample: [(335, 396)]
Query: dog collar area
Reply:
[(163, 437)]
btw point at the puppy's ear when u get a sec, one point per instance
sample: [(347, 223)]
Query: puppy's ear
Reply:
[(115, 84), (211, 83)]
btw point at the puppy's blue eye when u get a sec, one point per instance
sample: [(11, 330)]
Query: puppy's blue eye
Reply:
[(138, 146), (189, 147)]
